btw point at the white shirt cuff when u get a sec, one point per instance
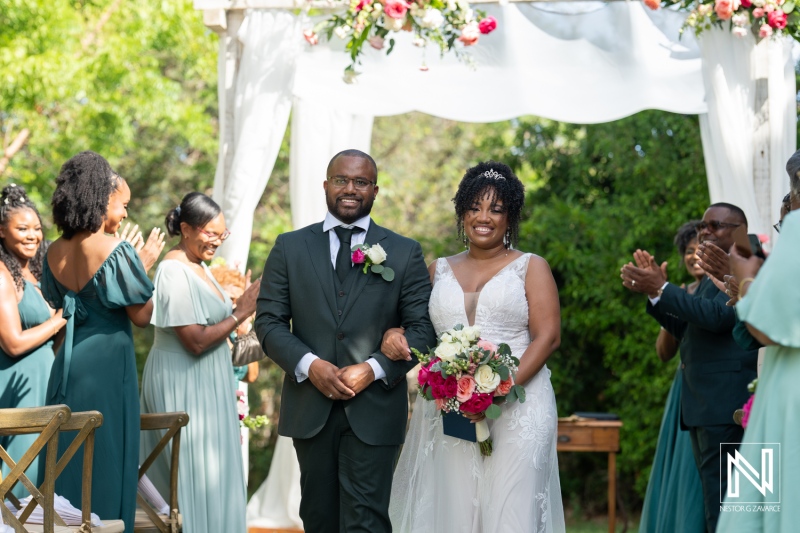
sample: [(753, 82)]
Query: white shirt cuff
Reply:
[(377, 369), (301, 370), (654, 301)]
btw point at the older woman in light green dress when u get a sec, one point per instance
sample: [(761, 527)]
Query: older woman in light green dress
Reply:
[(771, 306), (189, 369)]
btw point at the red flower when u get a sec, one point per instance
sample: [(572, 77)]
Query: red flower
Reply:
[(746, 410), (487, 25), (422, 377), (362, 4), (477, 404), (451, 387), (653, 4), (746, 3), (777, 19), (358, 257)]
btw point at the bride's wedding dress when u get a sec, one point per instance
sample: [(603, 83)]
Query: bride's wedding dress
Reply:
[(442, 483)]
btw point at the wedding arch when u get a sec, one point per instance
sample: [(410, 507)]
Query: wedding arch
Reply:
[(578, 62)]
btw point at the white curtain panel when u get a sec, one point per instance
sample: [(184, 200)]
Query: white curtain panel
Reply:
[(727, 130), (262, 106), (319, 132)]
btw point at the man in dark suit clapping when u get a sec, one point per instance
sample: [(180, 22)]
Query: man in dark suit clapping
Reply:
[(321, 319), (715, 370)]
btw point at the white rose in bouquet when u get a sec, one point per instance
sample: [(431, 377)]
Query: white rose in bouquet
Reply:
[(446, 337), (392, 24), (376, 254), (432, 18), (341, 32), (472, 333), (486, 379), (447, 352)]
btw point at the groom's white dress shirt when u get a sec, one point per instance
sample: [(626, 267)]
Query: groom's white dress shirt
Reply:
[(301, 371)]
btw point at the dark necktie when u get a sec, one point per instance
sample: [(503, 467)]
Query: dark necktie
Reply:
[(343, 258)]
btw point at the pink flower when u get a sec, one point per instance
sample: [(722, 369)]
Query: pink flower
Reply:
[(362, 4), (652, 4), (777, 19), (764, 31), (724, 9), (422, 377), (769, 8), (466, 386), (487, 25), (239, 393), (505, 387), (746, 410), (376, 42), (395, 9), (483, 344), (358, 257), (440, 403), (477, 404), (451, 387), (311, 37), (437, 383), (762, 238), (470, 34), (746, 3), (758, 13)]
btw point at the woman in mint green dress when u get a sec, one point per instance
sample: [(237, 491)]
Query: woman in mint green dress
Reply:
[(770, 307), (101, 285), (28, 323), (674, 500), (189, 369)]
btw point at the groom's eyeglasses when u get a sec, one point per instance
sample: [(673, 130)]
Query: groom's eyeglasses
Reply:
[(340, 182), (714, 225)]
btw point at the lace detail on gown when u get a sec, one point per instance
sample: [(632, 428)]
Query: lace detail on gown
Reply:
[(431, 482)]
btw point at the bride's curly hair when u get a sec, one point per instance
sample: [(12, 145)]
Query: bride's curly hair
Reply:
[(498, 180), (12, 199)]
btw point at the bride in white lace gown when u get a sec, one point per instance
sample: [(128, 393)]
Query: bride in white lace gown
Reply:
[(442, 483)]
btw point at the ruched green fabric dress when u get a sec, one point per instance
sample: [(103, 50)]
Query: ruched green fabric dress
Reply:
[(772, 305), (95, 369), (211, 487), (23, 380)]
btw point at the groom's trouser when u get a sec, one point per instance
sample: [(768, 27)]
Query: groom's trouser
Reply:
[(706, 449), (345, 482)]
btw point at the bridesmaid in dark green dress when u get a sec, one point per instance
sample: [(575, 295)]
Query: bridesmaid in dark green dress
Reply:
[(101, 284), (674, 500), (26, 346)]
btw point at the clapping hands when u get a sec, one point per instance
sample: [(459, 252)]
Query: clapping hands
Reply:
[(150, 250), (646, 276)]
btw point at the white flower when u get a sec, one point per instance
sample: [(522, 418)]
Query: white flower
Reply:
[(469, 15), (447, 352), (341, 32), (419, 42), (472, 333), (376, 254), (392, 24), (759, 3), (740, 19), (486, 379), (705, 9), (350, 76), (432, 18), (738, 31), (446, 337), (451, 5)]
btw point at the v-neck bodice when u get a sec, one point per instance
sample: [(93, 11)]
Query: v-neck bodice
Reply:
[(501, 308)]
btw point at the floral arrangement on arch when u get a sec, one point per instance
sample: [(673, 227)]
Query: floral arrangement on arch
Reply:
[(764, 18), (449, 24)]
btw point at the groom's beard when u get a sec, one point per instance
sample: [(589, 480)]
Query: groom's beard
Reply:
[(347, 213)]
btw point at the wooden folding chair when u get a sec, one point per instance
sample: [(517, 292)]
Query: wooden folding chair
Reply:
[(46, 421), (148, 518)]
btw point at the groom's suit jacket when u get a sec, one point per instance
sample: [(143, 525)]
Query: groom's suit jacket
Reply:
[(302, 308), (715, 369)]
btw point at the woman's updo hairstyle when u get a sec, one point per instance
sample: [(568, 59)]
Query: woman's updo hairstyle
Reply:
[(686, 234), (83, 187), (196, 209), (498, 180), (12, 199)]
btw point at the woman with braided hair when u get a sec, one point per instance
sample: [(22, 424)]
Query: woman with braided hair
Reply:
[(29, 324), (101, 284)]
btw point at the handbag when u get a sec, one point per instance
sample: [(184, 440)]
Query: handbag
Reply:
[(246, 350)]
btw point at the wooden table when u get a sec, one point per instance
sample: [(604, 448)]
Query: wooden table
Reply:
[(590, 435)]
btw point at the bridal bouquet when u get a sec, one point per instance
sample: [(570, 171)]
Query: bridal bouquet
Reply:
[(467, 374)]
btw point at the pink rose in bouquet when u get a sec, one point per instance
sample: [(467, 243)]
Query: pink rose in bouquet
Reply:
[(422, 377), (777, 19), (362, 4), (724, 9), (487, 25), (477, 404), (376, 42), (311, 37), (764, 31), (486, 345), (358, 257), (746, 410), (466, 386), (505, 387), (470, 34), (746, 3), (436, 382), (395, 9), (653, 4), (758, 13)]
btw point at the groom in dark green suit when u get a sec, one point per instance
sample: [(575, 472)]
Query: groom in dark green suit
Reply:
[(321, 318), (714, 368)]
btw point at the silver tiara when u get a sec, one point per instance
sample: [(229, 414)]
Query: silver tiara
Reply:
[(492, 173)]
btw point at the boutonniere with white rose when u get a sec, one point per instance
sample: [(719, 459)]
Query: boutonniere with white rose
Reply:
[(372, 257)]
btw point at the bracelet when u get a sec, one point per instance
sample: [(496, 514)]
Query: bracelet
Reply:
[(235, 319), (745, 280)]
